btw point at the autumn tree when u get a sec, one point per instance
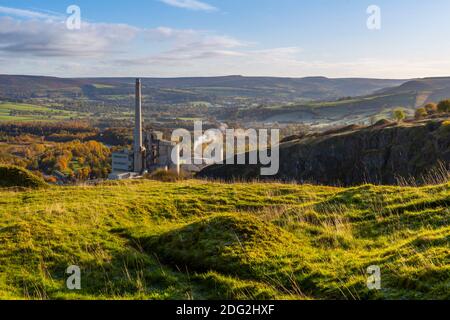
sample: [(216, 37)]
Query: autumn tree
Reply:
[(421, 113), (431, 108), (399, 114), (444, 106)]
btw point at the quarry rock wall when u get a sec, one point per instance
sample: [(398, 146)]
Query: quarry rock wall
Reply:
[(414, 153)]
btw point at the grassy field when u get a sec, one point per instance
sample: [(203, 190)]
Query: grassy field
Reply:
[(28, 112), (202, 240)]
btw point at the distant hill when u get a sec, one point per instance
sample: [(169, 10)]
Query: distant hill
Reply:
[(311, 100), (409, 95), (178, 90), (31, 86), (424, 90)]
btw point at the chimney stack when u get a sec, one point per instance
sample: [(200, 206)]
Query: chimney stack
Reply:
[(138, 143)]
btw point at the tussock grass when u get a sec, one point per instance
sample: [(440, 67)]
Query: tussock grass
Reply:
[(209, 240)]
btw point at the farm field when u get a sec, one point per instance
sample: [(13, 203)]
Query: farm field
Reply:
[(27, 112)]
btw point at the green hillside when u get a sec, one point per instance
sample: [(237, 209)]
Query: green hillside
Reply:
[(29, 112), (191, 89), (409, 95), (201, 240)]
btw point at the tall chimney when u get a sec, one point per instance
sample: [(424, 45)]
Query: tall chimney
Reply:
[(138, 144)]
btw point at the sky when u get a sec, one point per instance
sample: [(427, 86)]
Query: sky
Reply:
[(183, 38)]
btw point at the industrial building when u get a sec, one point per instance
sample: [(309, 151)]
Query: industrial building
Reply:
[(150, 151)]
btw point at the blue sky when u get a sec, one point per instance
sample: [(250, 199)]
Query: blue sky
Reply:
[(172, 38)]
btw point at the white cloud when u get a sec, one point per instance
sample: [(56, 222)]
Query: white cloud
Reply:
[(284, 54), (190, 5), (28, 14), (39, 43), (53, 39), (187, 46), (170, 34), (99, 49)]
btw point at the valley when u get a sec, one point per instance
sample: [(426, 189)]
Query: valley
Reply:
[(220, 98), (315, 101)]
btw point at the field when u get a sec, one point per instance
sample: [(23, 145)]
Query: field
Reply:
[(27, 112), (204, 240)]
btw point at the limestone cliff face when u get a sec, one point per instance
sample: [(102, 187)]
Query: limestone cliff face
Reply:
[(379, 155)]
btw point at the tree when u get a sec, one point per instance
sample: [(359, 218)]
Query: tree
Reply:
[(431, 108), (83, 173), (399, 114), (62, 163), (51, 179), (373, 120), (444, 106), (421, 113)]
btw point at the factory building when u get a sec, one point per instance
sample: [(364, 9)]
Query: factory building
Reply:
[(122, 161), (150, 151)]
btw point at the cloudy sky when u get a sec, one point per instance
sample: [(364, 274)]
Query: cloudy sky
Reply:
[(172, 38)]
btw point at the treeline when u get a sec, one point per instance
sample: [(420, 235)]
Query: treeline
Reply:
[(45, 129), (432, 108), (71, 161), (68, 151), (94, 107), (116, 136), (77, 160), (16, 113), (66, 131)]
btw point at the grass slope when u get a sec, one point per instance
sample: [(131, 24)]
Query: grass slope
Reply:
[(12, 176), (202, 240)]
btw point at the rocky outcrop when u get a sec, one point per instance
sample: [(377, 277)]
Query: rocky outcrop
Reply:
[(417, 152)]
